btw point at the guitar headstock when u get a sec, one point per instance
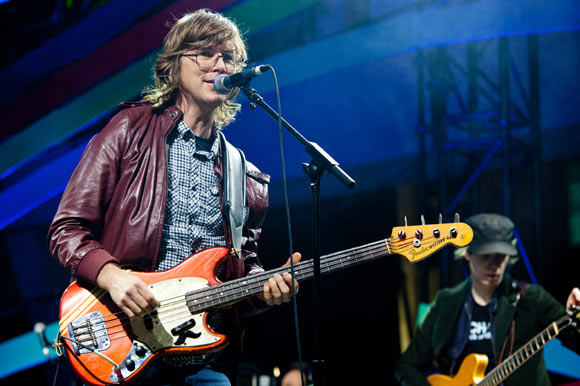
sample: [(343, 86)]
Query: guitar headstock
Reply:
[(416, 242), (572, 318)]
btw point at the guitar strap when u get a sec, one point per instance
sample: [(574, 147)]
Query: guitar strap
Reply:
[(510, 336), (234, 190)]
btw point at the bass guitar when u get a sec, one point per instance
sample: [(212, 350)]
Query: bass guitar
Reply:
[(472, 369), (104, 346)]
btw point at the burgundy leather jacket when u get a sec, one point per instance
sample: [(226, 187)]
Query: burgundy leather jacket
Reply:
[(113, 207)]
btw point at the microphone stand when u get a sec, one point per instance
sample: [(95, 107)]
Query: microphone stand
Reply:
[(320, 162)]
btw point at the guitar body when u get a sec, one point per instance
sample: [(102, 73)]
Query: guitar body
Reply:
[(471, 372), (105, 347), (91, 317)]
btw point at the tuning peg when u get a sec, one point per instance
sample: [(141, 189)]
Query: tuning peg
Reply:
[(453, 232), (456, 217), (406, 221), (422, 220), (440, 219)]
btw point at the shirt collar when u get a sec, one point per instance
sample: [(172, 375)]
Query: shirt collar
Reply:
[(185, 133)]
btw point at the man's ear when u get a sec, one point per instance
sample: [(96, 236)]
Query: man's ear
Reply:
[(467, 256)]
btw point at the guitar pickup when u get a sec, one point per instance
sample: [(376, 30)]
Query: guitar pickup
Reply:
[(183, 327), (148, 320)]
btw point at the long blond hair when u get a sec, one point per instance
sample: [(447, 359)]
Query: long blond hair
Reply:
[(200, 29)]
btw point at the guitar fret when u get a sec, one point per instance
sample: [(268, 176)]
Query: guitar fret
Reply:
[(326, 265)]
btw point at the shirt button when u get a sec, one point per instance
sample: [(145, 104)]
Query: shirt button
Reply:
[(214, 190)]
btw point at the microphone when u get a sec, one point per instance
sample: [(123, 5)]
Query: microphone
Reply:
[(225, 83), (40, 330)]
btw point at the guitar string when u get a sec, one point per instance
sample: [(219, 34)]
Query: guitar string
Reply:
[(165, 311), (330, 263), (501, 372), (109, 321), (326, 260)]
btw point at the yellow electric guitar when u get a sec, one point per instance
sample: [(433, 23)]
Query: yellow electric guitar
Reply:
[(472, 369)]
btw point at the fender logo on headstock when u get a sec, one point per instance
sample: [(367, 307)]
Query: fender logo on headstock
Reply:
[(425, 249)]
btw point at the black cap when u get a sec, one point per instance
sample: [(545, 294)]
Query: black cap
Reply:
[(492, 233)]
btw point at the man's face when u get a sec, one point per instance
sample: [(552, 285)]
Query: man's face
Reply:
[(292, 378), (197, 82), (487, 269)]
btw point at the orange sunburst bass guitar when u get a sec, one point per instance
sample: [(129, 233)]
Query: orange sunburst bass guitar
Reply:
[(104, 346), (472, 369)]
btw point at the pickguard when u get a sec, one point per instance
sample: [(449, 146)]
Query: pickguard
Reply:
[(173, 325)]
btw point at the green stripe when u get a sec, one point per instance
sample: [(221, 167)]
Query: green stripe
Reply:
[(252, 16)]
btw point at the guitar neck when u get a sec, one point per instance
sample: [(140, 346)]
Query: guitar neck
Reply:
[(239, 289), (513, 362)]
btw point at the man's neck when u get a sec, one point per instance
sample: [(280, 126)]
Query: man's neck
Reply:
[(199, 121), (482, 295)]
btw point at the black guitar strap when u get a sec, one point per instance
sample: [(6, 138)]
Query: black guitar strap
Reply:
[(234, 190), (510, 336)]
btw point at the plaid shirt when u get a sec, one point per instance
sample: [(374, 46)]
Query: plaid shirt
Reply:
[(193, 219)]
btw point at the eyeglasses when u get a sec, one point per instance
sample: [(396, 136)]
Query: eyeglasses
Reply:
[(206, 60)]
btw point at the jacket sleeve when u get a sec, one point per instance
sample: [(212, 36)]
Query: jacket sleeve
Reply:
[(550, 310), (76, 228), (417, 359)]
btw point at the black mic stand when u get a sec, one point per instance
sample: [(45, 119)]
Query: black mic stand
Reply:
[(320, 162)]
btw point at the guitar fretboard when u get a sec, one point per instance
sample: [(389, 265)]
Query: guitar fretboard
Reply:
[(239, 289), (512, 363)]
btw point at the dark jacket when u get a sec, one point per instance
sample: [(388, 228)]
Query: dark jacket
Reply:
[(431, 346), (113, 207)]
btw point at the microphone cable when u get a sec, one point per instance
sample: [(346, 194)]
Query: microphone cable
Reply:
[(288, 223)]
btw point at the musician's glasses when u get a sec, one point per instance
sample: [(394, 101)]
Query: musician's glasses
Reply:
[(206, 60)]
